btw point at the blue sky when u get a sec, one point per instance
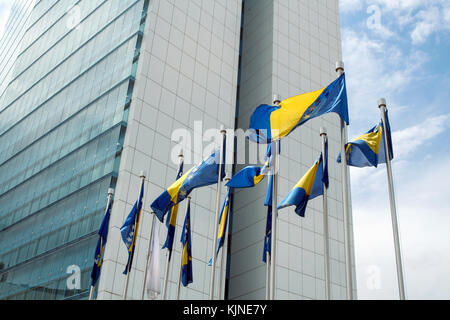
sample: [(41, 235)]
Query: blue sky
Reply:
[(400, 50)]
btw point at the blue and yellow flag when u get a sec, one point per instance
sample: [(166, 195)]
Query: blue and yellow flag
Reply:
[(368, 150), (186, 262), (130, 228), (204, 174), (268, 235), (99, 250), (326, 178), (269, 123), (309, 187), (223, 221), (252, 175), (247, 177), (171, 221)]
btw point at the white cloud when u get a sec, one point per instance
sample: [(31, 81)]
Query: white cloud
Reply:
[(429, 21), (421, 17), (422, 204), (375, 69), (410, 139), (392, 66), (399, 4)]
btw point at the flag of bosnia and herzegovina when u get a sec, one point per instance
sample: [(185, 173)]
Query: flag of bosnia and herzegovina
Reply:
[(204, 174), (269, 123), (309, 187), (368, 150)]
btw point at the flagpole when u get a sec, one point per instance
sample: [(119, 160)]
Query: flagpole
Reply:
[(268, 262), (273, 251), (108, 202), (398, 254), (345, 200), (267, 275), (225, 243), (181, 260), (142, 176), (148, 256), (181, 265), (168, 254), (323, 134), (223, 132)]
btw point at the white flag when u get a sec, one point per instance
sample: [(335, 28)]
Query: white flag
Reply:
[(153, 265)]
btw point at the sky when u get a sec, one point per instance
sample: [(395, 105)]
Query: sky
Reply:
[(5, 7), (5, 10), (399, 50)]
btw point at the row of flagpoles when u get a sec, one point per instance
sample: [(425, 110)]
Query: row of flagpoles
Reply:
[(269, 124)]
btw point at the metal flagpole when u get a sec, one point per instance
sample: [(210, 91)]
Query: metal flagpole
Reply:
[(108, 202), (223, 132), (345, 200), (148, 255), (168, 254), (273, 251), (398, 254), (142, 176), (179, 276), (268, 258), (323, 134), (181, 259), (267, 276), (225, 243)]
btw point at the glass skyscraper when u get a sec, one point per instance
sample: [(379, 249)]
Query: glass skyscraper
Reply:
[(63, 118), (92, 95)]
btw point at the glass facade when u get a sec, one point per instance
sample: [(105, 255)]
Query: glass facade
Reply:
[(14, 30), (63, 117)]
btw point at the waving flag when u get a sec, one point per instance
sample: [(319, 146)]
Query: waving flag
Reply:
[(224, 213), (186, 263), (326, 179), (252, 175), (171, 221), (309, 187), (247, 177), (368, 150), (153, 284), (204, 174), (268, 235), (269, 123), (103, 233), (130, 228)]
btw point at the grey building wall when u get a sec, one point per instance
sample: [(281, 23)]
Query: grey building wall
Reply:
[(187, 73), (289, 48)]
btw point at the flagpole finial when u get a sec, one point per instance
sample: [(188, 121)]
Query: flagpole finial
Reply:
[(340, 66), (181, 154), (110, 191), (276, 98), (323, 131), (142, 175), (382, 103), (228, 177), (222, 130)]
